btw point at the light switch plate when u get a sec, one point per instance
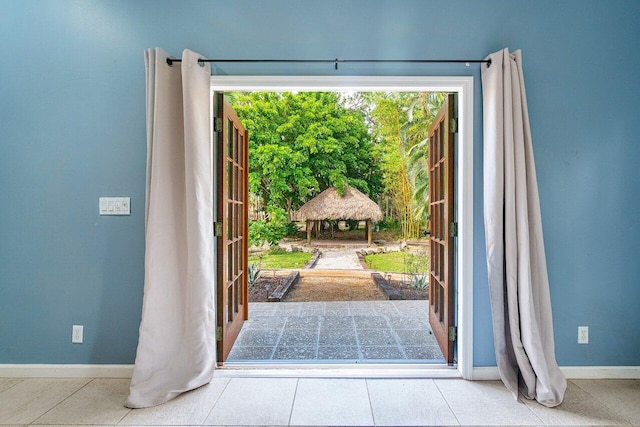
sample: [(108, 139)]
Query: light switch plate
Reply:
[(115, 206)]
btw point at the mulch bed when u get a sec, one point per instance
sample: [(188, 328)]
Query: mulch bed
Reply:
[(264, 287), (408, 292), (258, 292)]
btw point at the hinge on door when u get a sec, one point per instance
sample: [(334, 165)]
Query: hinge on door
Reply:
[(217, 124), (453, 332), (217, 229), (219, 333), (453, 125), (453, 229)]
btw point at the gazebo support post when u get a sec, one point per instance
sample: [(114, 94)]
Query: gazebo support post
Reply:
[(369, 232), (309, 231)]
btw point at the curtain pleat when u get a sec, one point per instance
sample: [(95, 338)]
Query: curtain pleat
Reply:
[(516, 263), (176, 347)]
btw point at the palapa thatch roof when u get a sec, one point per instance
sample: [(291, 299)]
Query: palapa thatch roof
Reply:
[(330, 205)]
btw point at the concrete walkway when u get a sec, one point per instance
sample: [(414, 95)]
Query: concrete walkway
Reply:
[(338, 259)]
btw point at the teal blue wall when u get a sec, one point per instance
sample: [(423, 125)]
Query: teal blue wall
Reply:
[(72, 122)]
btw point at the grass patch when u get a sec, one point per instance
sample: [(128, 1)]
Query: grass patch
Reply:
[(399, 262), (281, 259), (392, 262)]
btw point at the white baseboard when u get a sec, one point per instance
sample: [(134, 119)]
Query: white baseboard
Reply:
[(66, 371), (601, 372), (571, 372), (480, 373)]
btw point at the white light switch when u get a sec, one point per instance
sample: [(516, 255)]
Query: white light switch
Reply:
[(115, 206)]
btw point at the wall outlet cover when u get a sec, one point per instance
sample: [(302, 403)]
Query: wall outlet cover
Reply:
[(77, 334)]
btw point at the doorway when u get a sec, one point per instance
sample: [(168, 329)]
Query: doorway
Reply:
[(463, 88)]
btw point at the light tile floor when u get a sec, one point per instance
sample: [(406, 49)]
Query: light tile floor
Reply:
[(346, 331), (316, 401)]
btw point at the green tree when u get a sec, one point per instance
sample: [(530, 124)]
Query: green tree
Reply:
[(302, 143), (401, 122)]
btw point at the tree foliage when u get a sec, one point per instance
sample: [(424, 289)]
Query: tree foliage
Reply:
[(401, 122), (300, 144)]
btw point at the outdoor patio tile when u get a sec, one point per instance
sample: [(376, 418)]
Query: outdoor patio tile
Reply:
[(265, 322), (189, 408), (485, 403), (326, 401), (295, 353), (382, 352), (254, 401), (32, 397), (99, 402), (251, 353), (312, 312), (406, 322), (337, 312), (371, 322), (286, 312), (338, 353), (376, 337), (256, 308), (578, 408), (337, 322), (398, 402), (388, 311), (411, 337), (286, 308), (622, 397), (299, 337), (307, 322), (257, 338), (313, 306), (337, 305), (337, 337), (428, 352)]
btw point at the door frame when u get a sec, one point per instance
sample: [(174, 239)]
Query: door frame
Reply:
[(463, 86)]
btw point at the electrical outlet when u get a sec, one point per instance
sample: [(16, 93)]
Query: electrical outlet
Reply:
[(583, 335), (77, 333)]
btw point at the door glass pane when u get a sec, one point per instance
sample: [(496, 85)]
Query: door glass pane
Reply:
[(229, 263), (230, 138), (230, 303), (229, 180), (235, 145), (229, 221), (240, 148)]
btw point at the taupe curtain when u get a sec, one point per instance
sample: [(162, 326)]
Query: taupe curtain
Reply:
[(176, 348), (518, 280)]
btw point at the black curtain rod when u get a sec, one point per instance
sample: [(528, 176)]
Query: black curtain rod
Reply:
[(337, 61)]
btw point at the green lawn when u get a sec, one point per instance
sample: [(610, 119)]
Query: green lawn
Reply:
[(392, 262), (281, 259), (398, 262)]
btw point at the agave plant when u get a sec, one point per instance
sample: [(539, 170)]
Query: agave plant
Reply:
[(254, 274)]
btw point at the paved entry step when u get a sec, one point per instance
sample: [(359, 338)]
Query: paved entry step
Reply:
[(328, 288)]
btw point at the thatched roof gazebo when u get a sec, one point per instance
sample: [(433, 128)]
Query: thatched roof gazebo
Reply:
[(332, 206)]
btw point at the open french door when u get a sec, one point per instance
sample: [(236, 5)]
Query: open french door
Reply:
[(231, 227), (442, 228)]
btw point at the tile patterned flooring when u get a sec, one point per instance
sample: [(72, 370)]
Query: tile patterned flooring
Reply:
[(315, 401), (348, 331)]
